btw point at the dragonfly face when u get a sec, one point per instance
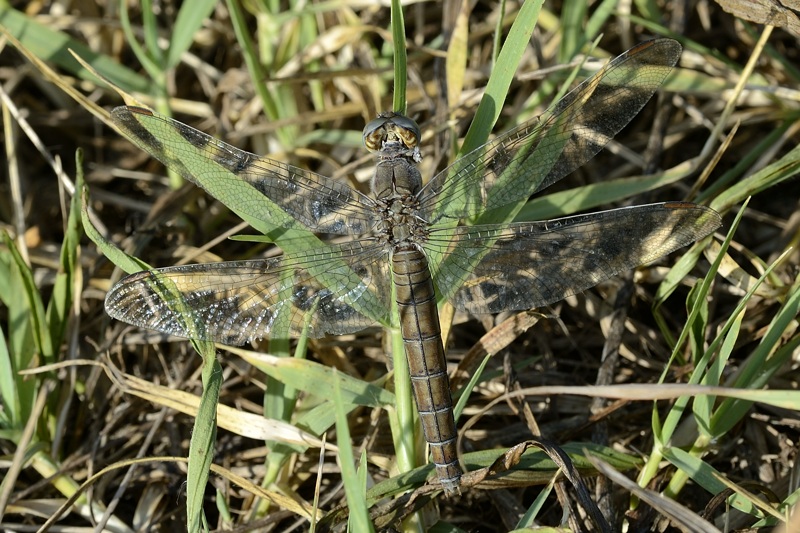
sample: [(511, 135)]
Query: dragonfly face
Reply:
[(410, 234)]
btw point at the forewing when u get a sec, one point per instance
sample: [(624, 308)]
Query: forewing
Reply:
[(318, 203), (538, 153), (528, 265), (240, 301)]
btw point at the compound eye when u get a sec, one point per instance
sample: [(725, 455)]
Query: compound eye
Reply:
[(407, 129), (375, 133)]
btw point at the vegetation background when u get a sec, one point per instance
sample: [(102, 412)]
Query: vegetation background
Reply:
[(298, 81)]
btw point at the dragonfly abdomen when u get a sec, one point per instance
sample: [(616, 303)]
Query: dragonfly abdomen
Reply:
[(422, 338)]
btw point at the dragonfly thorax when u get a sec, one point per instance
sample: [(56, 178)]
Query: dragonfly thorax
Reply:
[(396, 184), (400, 224)]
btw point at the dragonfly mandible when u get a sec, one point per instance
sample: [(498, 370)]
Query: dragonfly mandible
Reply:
[(346, 248)]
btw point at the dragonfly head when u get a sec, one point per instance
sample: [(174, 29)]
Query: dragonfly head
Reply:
[(393, 134)]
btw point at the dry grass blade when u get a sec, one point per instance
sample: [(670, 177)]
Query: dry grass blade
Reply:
[(680, 517), (764, 12)]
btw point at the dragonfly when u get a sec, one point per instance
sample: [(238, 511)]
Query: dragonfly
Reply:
[(343, 250)]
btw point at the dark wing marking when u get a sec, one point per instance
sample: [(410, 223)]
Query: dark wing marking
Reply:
[(319, 203), (239, 301), (540, 152), (530, 264)]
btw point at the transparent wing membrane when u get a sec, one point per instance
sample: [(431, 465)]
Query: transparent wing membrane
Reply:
[(318, 203), (531, 264), (540, 152), (240, 301)]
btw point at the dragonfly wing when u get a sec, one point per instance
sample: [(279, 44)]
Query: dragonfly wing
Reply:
[(540, 152), (318, 203), (531, 264), (240, 301)]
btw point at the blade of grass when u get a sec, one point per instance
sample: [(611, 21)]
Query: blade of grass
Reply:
[(9, 393), (32, 300), (715, 423), (573, 35), (600, 16), (533, 510), (767, 358), (191, 17), (456, 60), (286, 135), (597, 194), (474, 379), (318, 379), (781, 170), (400, 59), (358, 519), (711, 480), (502, 75), (403, 419), (69, 266), (153, 60), (204, 434), (279, 399), (485, 118), (662, 431)]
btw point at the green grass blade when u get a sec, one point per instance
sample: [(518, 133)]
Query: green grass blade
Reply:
[(663, 430), (769, 356), (502, 75), (150, 29), (191, 17), (672, 419), (153, 60), (398, 28), (705, 475), (403, 419), (33, 302), (318, 420), (10, 414), (457, 50), (600, 16), (280, 396), (715, 423), (315, 378), (358, 519), (773, 174), (204, 433), (273, 110), (703, 406), (20, 347), (201, 447), (61, 300), (533, 510), (745, 162), (573, 36), (470, 386), (124, 261), (486, 116), (149, 63), (597, 194)]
